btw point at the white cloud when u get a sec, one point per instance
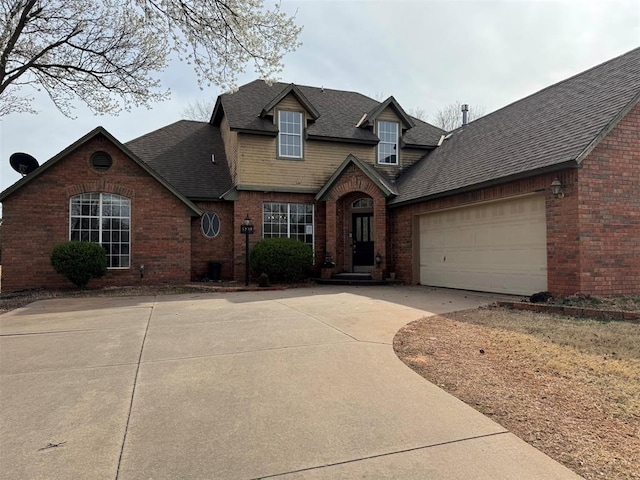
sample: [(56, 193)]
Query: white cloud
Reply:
[(426, 53)]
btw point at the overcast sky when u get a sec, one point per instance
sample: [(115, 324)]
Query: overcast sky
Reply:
[(427, 54)]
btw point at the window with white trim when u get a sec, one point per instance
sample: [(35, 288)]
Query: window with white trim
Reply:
[(290, 134), (388, 145), (103, 218), (288, 220)]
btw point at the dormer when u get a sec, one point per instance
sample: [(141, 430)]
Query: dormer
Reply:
[(388, 121), (291, 112), (303, 101)]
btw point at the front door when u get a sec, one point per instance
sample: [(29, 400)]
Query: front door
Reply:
[(363, 256)]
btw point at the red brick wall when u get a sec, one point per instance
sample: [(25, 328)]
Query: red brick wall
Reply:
[(250, 203), (563, 238), (36, 219), (609, 213), (220, 248)]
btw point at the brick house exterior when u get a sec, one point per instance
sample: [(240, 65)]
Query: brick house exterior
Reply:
[(36, 219), (366, 185)]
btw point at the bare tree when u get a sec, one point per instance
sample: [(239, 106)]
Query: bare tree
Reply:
[(199, 110), (379, 96), (105, 52), (450, 117), (419, 113)]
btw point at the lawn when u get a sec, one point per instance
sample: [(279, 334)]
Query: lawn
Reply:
[(570, 387)]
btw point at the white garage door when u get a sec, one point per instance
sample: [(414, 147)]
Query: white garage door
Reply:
[(492, 247)]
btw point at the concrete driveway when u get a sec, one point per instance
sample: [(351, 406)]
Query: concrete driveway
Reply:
[(282, 384)]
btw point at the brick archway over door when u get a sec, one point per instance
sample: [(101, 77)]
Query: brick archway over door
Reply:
[(354, 184)]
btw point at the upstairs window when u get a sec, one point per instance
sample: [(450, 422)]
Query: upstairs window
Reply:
[(388, 145), (290, 134), (103, 218)]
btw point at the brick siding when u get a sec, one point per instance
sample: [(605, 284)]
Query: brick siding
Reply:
[(36, 219), (609, 212), (220, 248)]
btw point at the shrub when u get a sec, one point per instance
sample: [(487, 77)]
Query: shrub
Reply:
[(284, 260), (79, 261)]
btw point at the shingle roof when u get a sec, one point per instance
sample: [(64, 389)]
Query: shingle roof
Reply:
[(372, 115), (339, 112), (181, 153), (553, 128), (99, 132)]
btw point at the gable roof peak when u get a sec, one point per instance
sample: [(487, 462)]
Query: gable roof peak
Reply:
[(291, 89), (98, 132), (385, 185), (371, 116)]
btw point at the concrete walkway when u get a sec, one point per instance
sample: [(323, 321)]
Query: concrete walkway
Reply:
[(282, 384)]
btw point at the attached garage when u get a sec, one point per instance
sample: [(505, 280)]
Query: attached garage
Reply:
[(493, 247)]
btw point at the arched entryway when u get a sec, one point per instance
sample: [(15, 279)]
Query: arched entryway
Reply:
[(356, 220)]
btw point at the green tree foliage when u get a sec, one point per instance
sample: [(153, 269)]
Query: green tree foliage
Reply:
[(79, 261), (284, 260)]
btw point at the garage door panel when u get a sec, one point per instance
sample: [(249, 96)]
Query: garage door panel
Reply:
[(498, 247), (501, 282)]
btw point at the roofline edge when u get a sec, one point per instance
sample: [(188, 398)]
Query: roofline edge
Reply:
[(489, 183), (607, 128)]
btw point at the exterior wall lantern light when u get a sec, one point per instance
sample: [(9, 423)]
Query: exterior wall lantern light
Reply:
[(378, 259), (556, 188), (247, 229)]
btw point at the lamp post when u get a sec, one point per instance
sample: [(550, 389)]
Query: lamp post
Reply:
[(247, 229)]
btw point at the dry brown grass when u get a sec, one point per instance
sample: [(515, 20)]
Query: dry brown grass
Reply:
[(570, 387)]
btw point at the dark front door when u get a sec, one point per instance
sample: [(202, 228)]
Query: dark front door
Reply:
[(362, 240)]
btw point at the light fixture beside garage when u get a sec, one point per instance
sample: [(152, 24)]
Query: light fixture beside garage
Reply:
[(556, 188)]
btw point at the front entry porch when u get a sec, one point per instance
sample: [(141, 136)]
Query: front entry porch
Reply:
[(356, 224)]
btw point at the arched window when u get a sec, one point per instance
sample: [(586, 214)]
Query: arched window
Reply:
[(103, 218), (362, 203), (210, 224)]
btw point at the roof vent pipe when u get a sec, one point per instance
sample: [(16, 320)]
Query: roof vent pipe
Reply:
[(465, 114)]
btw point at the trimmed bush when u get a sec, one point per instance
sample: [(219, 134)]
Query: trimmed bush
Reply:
[(284, 260), (79, 261)]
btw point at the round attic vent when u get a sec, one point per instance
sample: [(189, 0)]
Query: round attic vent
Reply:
[(101, 161)]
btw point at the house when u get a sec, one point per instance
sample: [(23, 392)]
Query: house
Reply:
[(542, 194)]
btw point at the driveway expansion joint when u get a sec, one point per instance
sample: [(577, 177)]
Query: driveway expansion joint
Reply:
[(380, 455), (326, 324), (69, 369), (133, 390), (55, 332)]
